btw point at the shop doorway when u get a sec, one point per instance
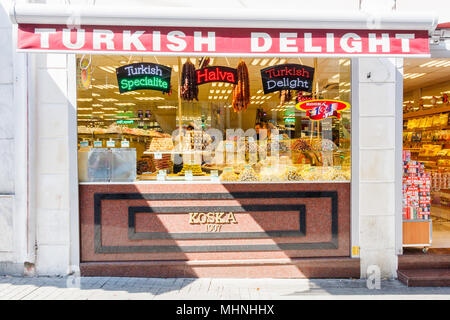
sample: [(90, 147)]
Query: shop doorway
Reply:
[(426, 156)]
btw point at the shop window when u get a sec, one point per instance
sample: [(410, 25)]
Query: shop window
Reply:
[(426, 154), (238, 120)]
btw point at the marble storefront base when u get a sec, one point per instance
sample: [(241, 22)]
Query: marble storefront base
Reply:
[(278, 230), (265, 268)]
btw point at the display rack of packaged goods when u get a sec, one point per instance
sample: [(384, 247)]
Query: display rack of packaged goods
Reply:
[(417, 224)]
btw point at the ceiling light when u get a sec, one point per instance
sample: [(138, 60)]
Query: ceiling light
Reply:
[(273, 61), (84, 99), (264, 62), (441, 63), (427, 63), (108, 100), (167, 107), (84, 109), (255, 61), (149, 98), (282, 61), (105, 86), (109, 108), (125, 104), (108, 69)]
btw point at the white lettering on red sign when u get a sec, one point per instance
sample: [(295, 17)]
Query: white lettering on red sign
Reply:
[(222, 40)]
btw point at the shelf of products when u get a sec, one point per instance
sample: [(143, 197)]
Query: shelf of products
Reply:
[(416, 203), (426, 136)]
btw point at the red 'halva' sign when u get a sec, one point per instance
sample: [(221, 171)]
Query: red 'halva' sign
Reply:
[(221, 41)]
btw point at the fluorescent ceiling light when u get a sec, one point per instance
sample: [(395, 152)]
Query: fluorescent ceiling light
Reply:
[(255, 61), (108, 100), (273, 61), (441, 63), (264, 62), (167, 107), (108, 69)]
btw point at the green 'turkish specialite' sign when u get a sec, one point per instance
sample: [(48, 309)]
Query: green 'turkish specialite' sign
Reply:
[(143, 76)]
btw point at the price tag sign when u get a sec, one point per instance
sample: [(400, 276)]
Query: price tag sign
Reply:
[(125, 144), (84, 144), (158, 155), (110, 144), (188, 175), (214, 175), (98, 144), (161, 176)]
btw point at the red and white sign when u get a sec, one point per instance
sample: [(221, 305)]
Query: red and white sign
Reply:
[(221, 41), (320, 109)]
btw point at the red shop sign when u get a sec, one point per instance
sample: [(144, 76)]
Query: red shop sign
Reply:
[(216, 74), (320, 109), (221, 41)]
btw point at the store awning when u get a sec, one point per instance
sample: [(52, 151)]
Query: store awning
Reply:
[(220, 17), (224, 31)]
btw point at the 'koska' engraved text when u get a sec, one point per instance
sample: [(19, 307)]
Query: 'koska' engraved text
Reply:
[(212, 218)]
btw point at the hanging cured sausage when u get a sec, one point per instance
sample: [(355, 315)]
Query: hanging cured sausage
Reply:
[(241, 91), (189, 88)]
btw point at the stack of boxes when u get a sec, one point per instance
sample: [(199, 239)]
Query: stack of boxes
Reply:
[(416, 190)]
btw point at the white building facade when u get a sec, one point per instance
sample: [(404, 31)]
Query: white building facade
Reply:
[(39, 203)]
